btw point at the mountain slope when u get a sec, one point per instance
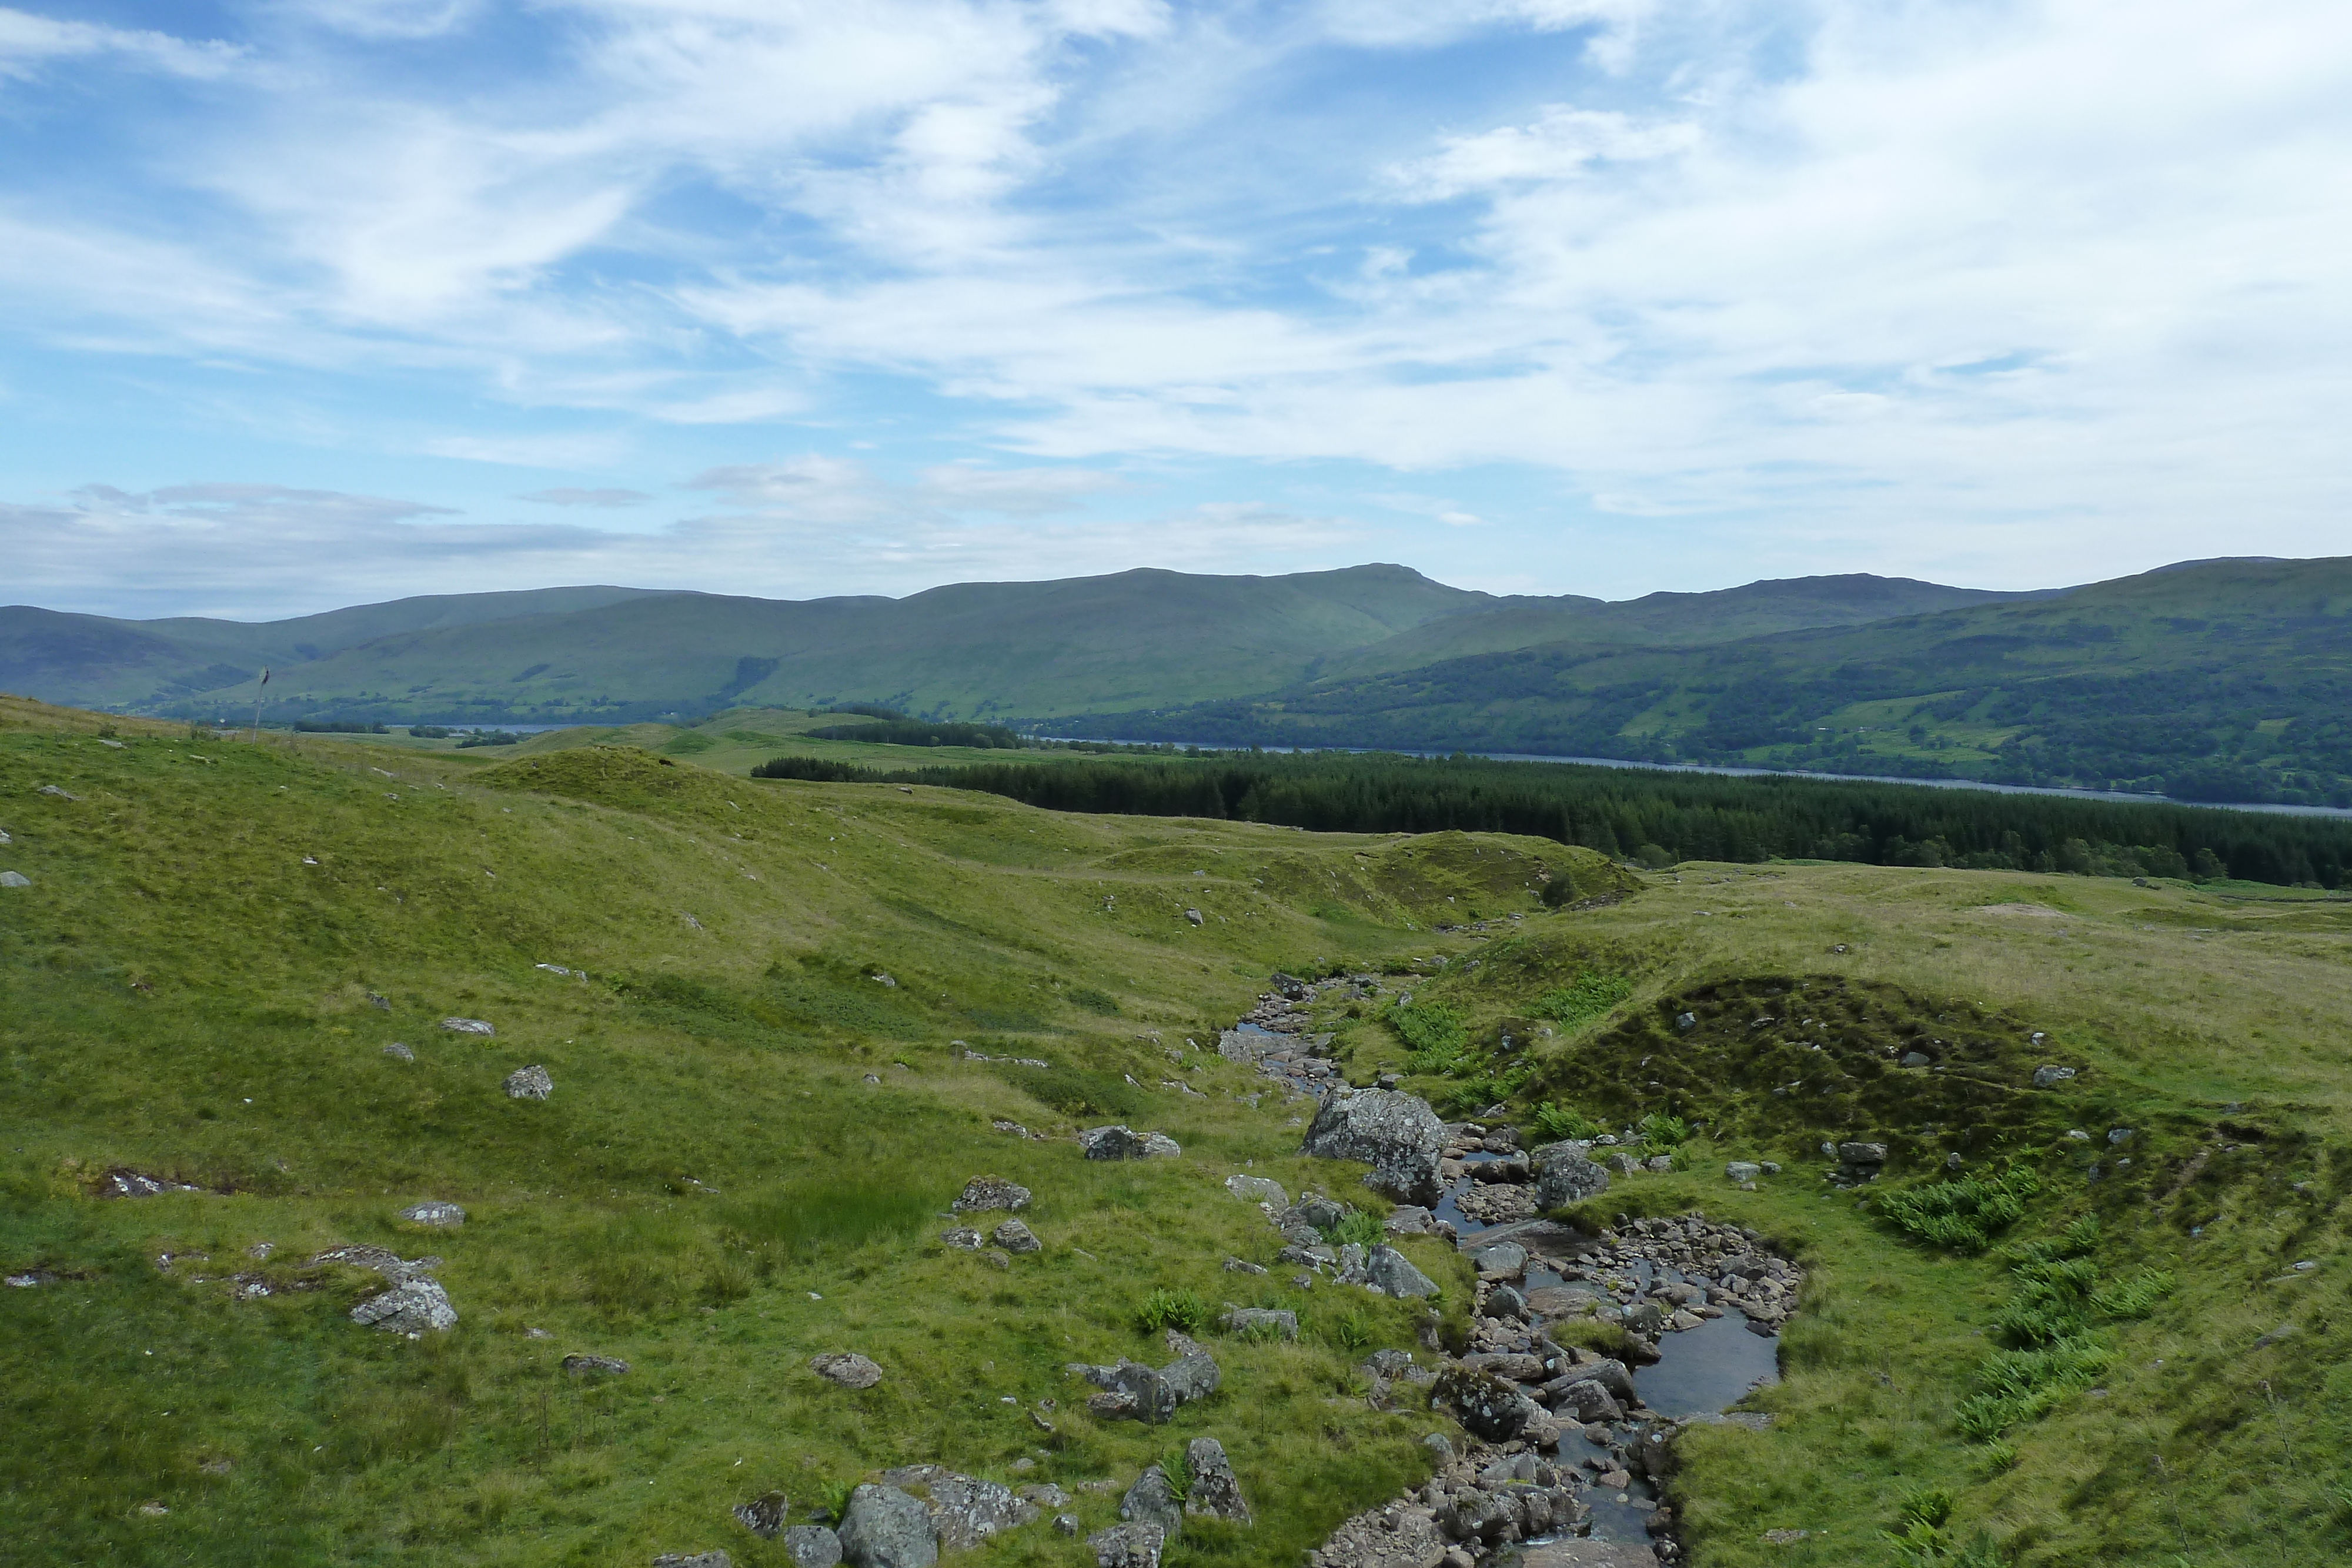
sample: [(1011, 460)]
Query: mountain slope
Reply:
[(2226, 680)]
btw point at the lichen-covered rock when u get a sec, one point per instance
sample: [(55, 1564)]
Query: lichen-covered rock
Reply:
[(597, 1365), (846, 1368), (1392, 1273), (763, 1516), (467, 1026), (983, 1193), (529, 1084), (1015, 1237), (413, 1306), (1115, 1143), (1152, 1500), (812, 1546), (1486, 1407), (1216, 1492), (965, 1510), (1128, 1545), (1258, 1189), (694, 1560), (1565, 1176), (1396, 1134), (433, 1212), (885, 1528), (1261, 1323)]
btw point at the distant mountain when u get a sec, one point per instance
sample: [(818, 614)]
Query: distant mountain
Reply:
[(2220, 680), (1036, 650)]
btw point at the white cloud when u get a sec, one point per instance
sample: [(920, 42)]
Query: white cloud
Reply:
[(29, 41), (571, 495), (1012, 492), (1563, 143)]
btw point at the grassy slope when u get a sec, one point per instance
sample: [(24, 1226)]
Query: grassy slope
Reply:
[(2230, 673), (174, 957)]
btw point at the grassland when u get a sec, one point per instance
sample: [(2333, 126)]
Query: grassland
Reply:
[(715, 1191)]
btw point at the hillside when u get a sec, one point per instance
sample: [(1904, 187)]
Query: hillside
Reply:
[(758, 1003), (971, 649), (2217, 681)]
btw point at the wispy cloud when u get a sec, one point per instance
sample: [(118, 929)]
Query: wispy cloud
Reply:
[(571, 495), (29, 41)]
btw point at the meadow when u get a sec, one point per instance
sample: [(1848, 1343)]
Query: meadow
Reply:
[(766, 1095)]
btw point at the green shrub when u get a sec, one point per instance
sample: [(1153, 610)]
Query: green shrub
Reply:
[(833, 1498), (1178, 1468), (1162, 1310), (1557, 1121), (1365, 1229), (1666, 1132), (2132, 1298), (1351, 1330), (1582, 999), (2076, 1239), (1961, 1216), (1435, 1034)]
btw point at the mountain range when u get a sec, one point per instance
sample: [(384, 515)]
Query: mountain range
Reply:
[(2207, 680)]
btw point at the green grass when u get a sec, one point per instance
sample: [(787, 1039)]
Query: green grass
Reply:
[(716, 1193)]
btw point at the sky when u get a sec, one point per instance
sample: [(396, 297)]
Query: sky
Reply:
[(306, 303)]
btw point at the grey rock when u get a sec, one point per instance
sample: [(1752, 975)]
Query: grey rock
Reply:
[(1915, 1058), (2118, 1135), (1623, 1164), (467, 1026), (1440, 1449), (965, 1510), (845, 1368), (1158, 1146), (529, 1084), (694, 1560), (1506, 1303), (1588, 1401), (1396, 1134), (812, 1546), (763, 1516), (1563, 1176), (1261, 1323), (1115, 1143), (1486, 1404), (1190, 1378), (1258, 1189), (1153, 1501), (434, 1213), (1128, 1545), (1320, 1212), (1662, 1163), (1243, 1266), (53, 789), (400, 1052), (1392, 1273), (14, 878), (2051, 1077), (886, 1528), (1863, 1153), (1686, 1022), (964, 1238), (1067, 1523), (416, 1305), (1501, 1260), (983, 1193), (1742, 1170), (1015, 1237), (1612, 1374), (608, 1366), (1388, 1362), (1194, 915), (1410, 1219), (1214, 1493)]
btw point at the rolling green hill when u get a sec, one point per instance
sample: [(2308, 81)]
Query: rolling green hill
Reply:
[(759, 1004), (969, 651), (2217, 681)]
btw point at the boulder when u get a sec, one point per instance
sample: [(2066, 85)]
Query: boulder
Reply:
[(1863, 1153), (1115, 1143), (1190, 1378), (529, 1084), (885, 1528), (14, 878), (812, 1546), (1214, 1493), (1503, 1260), (1588, 1402), (845, 1368), (1153, 1501), (1015, 1237), (1486, 1407), (1267, 1323), (1258, 1189), (1506, 1303), (991, 1192), (1128, 1545), (1742, 1170), (1410, 1219), (965, 1510), (1564, 1176), (2051, 1077), (467, 1026), (607, 1365), (1391, 1273), (1319, 1212), (1396, 1134), (763, 1516), (417, 1306), (1158, 1146), (964, 1238), (399, 1053), (433, 1212)]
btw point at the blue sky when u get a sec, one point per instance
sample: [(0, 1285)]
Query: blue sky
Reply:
[(311, 302)]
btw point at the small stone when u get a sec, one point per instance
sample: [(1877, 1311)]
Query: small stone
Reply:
[(433, 1212), (529, 1084), (467, 1026), (415, 1305), (995, 1260), (1686, 1022), (2050, 1077), (151, 1510), (609, 1365), (400, 1052), (2118, 1135), (1243, 1266), (983, 1193), (2078, 1135), (1953, 1161), (963, 1238), (1258, 1189), (812, 1546), (1128, 1546), (694, 1560), (1015, 1237), (763, 1516), (846, 1368), (14, 878), (1742, 1170), (1194, 915), (1915, 1058), (53, 789), (1067, 1523)]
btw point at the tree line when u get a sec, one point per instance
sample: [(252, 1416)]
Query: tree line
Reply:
[(1661, 819)]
